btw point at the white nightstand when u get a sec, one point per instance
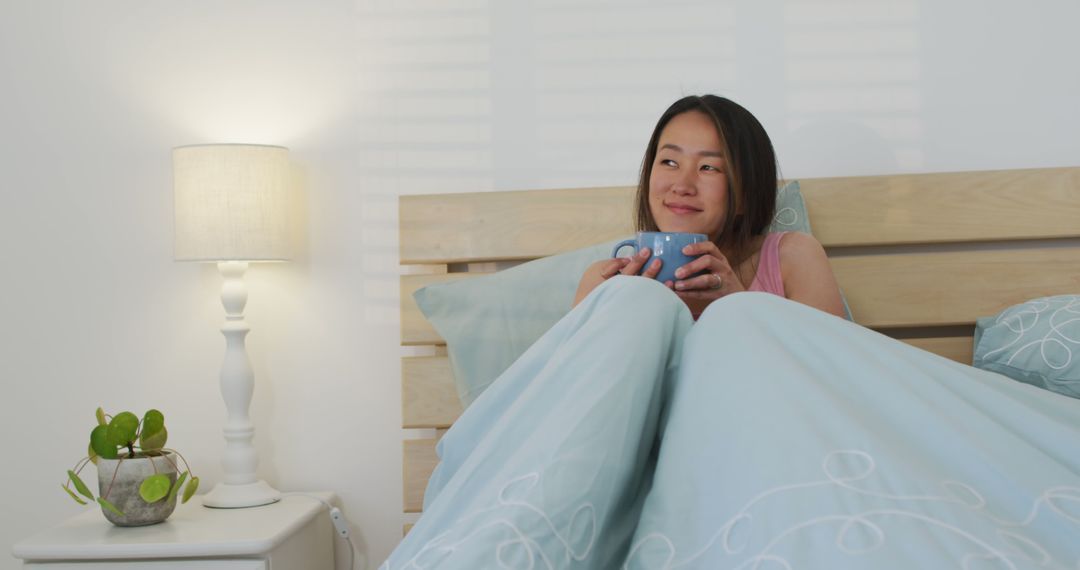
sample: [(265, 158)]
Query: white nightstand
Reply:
[(295, 533)]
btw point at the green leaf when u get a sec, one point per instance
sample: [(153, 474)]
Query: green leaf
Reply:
[(73, 495), (122, 429), (154, 442), (176, 487), (100, 413), (154, 488), (189, 491), (153, 420), (80, 485), (110, 506), (154, 434), (99, 442)]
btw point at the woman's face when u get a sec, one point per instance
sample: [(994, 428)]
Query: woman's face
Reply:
[(688, 186)]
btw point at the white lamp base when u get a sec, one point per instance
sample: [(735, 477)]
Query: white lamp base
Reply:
[(226, 496), (240, 488)]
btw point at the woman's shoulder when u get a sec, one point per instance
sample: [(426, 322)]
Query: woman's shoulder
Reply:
[(798, 245), (808, 276), (800, 253)]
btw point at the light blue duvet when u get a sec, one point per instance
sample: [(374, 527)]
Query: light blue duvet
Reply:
[(768, 435)]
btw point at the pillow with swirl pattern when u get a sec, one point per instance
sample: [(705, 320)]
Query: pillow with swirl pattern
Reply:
[(1037, 342)]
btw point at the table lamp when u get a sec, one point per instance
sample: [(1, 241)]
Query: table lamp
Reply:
[(232, 207)]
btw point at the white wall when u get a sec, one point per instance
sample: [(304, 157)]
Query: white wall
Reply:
[(382, 98)]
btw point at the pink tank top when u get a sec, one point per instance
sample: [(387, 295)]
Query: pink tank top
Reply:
[(768, 278)]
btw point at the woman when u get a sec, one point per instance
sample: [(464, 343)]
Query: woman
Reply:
[(710, 169), (767, 434)]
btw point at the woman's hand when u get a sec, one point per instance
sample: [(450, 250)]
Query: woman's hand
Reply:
[(632, 266), (718, 279), (605, 269)]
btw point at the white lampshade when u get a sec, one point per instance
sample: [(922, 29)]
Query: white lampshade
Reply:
[(232, 203)]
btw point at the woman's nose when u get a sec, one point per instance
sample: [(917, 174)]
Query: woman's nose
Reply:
[(684, 184)]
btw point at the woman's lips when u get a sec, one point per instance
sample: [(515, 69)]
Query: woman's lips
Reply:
[(682, 210)]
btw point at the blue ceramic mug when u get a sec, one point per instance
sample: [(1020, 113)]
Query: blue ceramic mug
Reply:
[(667, 246)]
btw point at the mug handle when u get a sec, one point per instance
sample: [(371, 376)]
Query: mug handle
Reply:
[(624, 243)]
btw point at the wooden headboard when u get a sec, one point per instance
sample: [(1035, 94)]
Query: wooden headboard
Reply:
[(919, 257)]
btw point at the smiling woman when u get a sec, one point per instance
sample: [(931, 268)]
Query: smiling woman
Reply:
[(710, 169)]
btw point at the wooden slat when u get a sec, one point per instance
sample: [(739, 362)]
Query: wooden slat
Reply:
[(415, 330), (428, 396), (958, 348), (951, 288), (871, 210), (945, 207), (486, 226), (419, 460)]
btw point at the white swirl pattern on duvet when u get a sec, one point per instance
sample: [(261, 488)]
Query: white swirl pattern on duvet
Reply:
[(856, 533), (511, 501), (1012, 544)]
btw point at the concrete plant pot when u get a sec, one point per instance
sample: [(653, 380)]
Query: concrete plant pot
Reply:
[(121, 488)]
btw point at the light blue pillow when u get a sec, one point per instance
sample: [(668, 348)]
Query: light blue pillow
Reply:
[(488, 322), (790, 210), (1037, 342)]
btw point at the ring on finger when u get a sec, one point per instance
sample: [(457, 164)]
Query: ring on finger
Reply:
[(719, 281)]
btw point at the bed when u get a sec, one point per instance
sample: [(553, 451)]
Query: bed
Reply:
[(919, 257)]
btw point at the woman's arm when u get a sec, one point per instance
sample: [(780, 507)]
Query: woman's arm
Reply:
[(596, 274), (808, 277), (605, 269)]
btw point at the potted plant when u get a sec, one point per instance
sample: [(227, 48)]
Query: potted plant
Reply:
[(137, 475)]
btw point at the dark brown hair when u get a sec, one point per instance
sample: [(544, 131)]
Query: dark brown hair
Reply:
[(750, 164)]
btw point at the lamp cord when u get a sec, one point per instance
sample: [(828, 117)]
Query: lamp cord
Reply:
[(338, 520)]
